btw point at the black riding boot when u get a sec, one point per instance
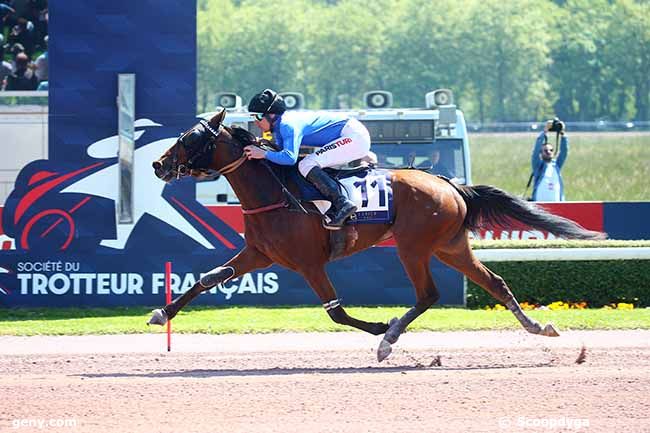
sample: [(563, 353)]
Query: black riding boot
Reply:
[(342, 208)]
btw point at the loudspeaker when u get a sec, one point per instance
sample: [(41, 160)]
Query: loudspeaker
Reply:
[(439, 97), (228, 100), (378, 99), (293, 100)]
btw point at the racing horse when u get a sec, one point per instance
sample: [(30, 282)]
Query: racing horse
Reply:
[(432, 216)]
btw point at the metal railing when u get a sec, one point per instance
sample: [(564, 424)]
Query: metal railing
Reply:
[(23, 134), (592, 126)]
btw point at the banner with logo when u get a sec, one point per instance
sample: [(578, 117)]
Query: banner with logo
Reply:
[(61, 242)]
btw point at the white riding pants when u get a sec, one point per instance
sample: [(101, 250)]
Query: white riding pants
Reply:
[(354, 143)]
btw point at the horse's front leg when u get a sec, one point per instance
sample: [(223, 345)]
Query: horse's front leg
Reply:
[(247, 260), (321, 284)]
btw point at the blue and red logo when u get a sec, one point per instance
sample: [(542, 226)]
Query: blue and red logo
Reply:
[(62, 207)]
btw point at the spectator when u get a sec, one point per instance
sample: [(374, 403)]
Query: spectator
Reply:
[(16, 49), (547, 179), (41, 63), (38, 14), (434, 166), (23, 78), (13, 52), (5, 67), (23, 34), (7, 16)]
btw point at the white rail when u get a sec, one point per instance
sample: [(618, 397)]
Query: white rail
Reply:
[(23, 93), (562, 254)]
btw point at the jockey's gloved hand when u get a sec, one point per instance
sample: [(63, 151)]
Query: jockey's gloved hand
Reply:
[(264, 143)]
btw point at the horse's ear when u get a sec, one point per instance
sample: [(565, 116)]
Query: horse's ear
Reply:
[(217, 119)]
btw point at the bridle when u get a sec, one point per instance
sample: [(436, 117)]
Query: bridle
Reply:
[(187, 168)]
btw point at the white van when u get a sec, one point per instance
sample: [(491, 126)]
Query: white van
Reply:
[(401, 138)]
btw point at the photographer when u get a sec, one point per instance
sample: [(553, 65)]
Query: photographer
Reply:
[(546, 164)]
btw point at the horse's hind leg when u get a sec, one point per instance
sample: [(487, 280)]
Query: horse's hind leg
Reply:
[(247, 260), (417, 268), (458, 254), (321, 284)]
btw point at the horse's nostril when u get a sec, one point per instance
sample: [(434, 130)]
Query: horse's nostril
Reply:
[(157, 165)]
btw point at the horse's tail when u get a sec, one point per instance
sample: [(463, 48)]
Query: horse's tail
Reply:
[(489, 205)]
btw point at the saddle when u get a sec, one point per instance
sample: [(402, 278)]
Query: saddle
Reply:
[(368, 187)]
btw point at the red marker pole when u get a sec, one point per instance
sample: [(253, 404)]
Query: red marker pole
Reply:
[(168, 300)]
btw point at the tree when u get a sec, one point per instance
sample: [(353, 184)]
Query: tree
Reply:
[(342, 50), (629, 52), (505, 60), (423, 50)]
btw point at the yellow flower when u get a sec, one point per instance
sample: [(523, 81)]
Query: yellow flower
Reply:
[(624, 306)]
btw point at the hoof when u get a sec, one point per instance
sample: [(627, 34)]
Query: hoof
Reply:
[(550, 331), (383, 350), (158, 317), (392, 334)]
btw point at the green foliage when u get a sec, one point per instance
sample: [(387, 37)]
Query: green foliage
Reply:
[(505, 60), (602, 166), (596, 282)]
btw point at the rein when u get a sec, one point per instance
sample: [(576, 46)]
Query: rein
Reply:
[(270, 207), (229, 168), (282, 204), (184, 169)]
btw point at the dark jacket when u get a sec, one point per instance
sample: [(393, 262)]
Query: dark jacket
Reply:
[(22, 80)]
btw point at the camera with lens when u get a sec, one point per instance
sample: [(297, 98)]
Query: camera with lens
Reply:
[(556, 125)]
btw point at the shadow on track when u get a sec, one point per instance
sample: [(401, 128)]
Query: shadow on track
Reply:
[(207, 373)]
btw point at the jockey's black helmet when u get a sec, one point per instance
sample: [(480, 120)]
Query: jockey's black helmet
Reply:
[(267, 101)]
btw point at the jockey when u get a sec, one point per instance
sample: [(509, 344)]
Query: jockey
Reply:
[(340, 140)]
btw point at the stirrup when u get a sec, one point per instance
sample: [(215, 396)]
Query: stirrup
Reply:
[(327, 223), (328, 219)]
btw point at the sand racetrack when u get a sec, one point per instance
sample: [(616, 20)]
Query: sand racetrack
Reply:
[(456, 382)]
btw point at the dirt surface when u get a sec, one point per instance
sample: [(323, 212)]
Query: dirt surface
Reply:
[(433, 382)]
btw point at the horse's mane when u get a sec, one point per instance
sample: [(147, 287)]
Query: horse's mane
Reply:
[(245, 138), (242, 136)]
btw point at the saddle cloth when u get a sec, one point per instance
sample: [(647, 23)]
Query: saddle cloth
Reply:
[(369, 188)]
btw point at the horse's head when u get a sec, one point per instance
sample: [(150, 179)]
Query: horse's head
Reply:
[(204, 151)]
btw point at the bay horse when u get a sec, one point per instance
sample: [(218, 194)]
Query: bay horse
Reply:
[(432, 216)]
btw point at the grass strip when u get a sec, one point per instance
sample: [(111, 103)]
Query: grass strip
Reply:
[(243, 320)]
